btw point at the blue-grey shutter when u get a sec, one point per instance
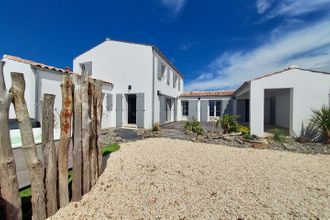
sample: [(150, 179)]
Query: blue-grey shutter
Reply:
[(204, 110), (192, 114), (162, 107), (175, 110), (140, 110), (119, 110), (109, 102)]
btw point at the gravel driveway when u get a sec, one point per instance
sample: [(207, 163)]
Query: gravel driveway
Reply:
[(165, 178)]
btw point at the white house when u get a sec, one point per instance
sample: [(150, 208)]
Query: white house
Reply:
[(147, 88), (146, 84), (282, 99)]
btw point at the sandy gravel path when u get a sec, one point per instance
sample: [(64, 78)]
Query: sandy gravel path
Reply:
[(164, 178)]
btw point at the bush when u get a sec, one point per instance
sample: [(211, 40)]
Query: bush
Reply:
[(321, 121), (156, 126), (228, 123), (194, 126), (106, 150), (244, 130), (278, 135), (307, 134)]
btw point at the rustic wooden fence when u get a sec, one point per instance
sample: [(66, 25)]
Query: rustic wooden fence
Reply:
[(81, 110)]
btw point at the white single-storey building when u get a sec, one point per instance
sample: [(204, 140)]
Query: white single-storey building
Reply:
[(146, 88)]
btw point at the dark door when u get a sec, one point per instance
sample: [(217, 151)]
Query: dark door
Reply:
[(247, 110), (131, 109)]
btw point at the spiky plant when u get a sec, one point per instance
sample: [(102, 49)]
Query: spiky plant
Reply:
[(321, 120), (228, 123)]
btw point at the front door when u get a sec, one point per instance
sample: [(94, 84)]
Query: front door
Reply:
[(168, 109), (131, 109)]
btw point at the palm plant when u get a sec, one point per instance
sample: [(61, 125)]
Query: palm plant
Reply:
[(228, 123), (321, 121)]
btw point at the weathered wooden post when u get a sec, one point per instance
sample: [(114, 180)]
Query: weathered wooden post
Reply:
[(49, 153), (85, 129), (63, 147), (99, 108), (77, 150), (9, 189), (35, 166), (93, 141)]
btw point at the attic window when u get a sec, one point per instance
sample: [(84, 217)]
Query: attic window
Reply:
[(87, 66), (161, 70)]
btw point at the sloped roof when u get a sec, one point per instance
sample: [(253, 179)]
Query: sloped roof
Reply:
[(156, 49), (278, 72), (208, 93), (45, 66)]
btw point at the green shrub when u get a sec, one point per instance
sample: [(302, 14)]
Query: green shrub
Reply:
[(278, 135), (156, 126), (321, 121), (228, 123), (194, 126), (244, 130)]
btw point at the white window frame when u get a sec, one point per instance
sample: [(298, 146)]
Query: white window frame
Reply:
[(214, 108), (184, 110)]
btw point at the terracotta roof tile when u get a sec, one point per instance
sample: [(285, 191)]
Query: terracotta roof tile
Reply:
[(208, 93)]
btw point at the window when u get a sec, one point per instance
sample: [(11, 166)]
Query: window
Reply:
[(175, 79), (214, 108), (161, 70), (168, 76), (185, 108), (87, 66)]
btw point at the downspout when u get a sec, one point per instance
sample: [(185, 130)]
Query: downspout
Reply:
[(37, 98), (153, 88)]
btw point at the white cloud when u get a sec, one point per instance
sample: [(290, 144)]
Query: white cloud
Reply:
[(308, 47), (291, 8), (263, 5), (175, 6)]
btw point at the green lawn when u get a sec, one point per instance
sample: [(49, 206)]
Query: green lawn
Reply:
[(106, 150)]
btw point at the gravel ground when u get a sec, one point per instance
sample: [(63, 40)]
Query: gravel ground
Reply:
[(166, 178)]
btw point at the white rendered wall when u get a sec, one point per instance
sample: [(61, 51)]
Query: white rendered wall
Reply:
[(122, 64), (310, 90), (165, 89), (14, 66)]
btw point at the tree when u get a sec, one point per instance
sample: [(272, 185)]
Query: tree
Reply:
[(8, 178)]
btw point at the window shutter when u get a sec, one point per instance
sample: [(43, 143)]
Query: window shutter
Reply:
[(109, 102)]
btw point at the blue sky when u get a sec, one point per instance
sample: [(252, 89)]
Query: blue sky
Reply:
[(215, 44)]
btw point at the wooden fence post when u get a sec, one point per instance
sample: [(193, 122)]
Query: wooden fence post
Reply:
[(28, 147), (93, 141), (85, 129), (49, 153), (63, 147), (9, 189), (99, 110), (77, 150)]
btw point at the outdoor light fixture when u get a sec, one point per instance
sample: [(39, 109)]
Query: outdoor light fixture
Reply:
[(129, 87)]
